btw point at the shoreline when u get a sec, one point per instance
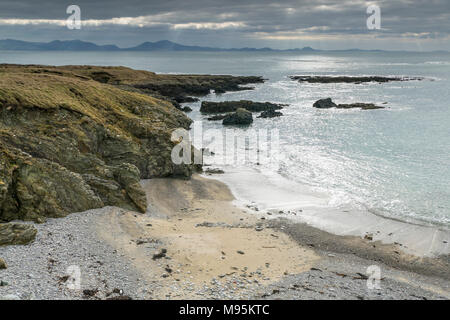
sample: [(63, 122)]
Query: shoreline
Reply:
[(194, 243), (299, 204)]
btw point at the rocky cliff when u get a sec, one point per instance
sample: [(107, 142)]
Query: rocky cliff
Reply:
[(70, 143)]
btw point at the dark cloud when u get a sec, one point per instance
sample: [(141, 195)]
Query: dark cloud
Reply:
[(292, 23)]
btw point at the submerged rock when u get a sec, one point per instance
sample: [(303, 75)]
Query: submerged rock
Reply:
[(240, 117), (328, 103), (231, 106), (16, 233)]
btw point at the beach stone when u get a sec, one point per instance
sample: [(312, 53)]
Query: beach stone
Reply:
[(240, 117), (3, 264), (16, 233)]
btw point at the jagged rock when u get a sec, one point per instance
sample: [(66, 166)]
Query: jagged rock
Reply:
[(3, 264), (16, 233), (350, 79), (69, 144), (328, 103), (240, 117), (324, 104), (231, 106), (270, 114)]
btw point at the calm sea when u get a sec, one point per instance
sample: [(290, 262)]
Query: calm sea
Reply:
[(394, 162)]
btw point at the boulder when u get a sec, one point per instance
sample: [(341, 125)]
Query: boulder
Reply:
[(324, 104), (240, 117), (16, 233)]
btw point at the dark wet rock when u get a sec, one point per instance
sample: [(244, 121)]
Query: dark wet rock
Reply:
[(90, 292), (218, 117), (231, 106), (210, 171), (240, 117), (363, 106), (350, 79), (186, 109), (324, 104), (160, 254), (16, 233), (328, 103), (270, 114)]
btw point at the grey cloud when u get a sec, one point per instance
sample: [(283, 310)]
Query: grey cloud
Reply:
[(256, 22)]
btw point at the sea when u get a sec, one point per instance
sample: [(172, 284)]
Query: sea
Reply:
[(392, 162)]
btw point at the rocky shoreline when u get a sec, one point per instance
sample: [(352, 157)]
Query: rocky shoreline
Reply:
[(194, 244)]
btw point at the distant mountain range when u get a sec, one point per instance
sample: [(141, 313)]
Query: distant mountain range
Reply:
[(163, 45)]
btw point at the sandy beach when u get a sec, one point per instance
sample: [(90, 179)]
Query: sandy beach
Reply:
[(195, 243)]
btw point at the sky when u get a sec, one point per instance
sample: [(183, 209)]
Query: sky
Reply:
[(418, 25)]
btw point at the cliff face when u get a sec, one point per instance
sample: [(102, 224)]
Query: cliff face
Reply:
[(69, 143)]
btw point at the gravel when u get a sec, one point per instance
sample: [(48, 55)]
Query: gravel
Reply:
[(40, 270)]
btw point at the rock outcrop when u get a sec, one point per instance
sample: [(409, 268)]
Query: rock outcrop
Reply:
[(351, 79), (328, 103), (231, 106), (16, 233), (240, 117), (69, 143)]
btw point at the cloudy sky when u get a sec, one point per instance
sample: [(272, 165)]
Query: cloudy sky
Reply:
[(323, 24)]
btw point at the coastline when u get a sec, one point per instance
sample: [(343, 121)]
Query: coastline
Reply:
[(201, 230), (286, 199)]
